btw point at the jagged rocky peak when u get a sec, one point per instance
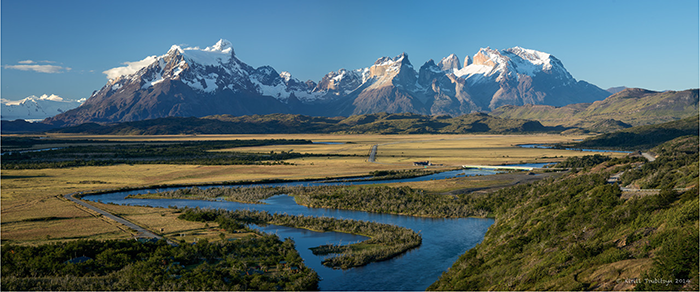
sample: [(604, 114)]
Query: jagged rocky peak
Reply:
[(450, 63), (390, 66), (428, 71), (294, 84), (223, 46), (400, 59), (430, 65), (220, 53), (266, 75), (487, 57), (467, 61), (343, 79), (535, 57)]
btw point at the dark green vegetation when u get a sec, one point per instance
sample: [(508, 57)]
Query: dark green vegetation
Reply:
[(99, 153), (383, 199), (380, 123), (643, 137), (377, 199), (250, 195), (676, 166), (261, 262), (386, 241), (22, 126), (582, 162), (577, 233), (632, 106)]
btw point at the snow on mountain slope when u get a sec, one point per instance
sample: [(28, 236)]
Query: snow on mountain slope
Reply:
[(37, 108), (396, 71), (450, 63), (513, 62), (198, 82), (211, 70), (216, 68)]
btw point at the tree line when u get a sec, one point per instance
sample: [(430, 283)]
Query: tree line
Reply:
[(97, 153)]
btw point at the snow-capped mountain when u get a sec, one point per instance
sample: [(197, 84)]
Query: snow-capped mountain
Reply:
[(213, 70), (190, 82), (518, 76), (37, 107), (450, 63), (209, 81)]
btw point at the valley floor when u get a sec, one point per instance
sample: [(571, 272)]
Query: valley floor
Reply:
[(34, 210)]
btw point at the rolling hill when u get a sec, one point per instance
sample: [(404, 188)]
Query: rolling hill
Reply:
[(378, 123), (631, 106)]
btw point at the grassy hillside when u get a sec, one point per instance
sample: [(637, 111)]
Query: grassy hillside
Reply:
[(644, 137), (577, 233), (380, 123), (631, 106)]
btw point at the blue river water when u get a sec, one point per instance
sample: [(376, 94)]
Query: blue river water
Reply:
[(444, 240)]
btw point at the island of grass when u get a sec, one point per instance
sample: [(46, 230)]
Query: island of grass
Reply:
[(386, 241)]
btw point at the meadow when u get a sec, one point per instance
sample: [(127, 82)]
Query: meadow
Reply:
[(34, 211)]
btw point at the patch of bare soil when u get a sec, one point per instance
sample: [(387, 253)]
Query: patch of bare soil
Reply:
[(509, 179)]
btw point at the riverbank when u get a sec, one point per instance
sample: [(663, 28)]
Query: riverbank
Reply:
[(385, 241)]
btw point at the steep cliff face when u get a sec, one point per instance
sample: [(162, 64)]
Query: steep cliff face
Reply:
[(450, 63)]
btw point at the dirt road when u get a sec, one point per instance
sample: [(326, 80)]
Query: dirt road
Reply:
[(142, 232)]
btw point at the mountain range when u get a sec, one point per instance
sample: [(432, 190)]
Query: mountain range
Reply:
[(196, 82), (625, 109), (36, 107)]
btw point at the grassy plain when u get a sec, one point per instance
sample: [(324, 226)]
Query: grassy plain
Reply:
[(34, 211)]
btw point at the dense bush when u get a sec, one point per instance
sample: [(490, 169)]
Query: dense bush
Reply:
[(86, 153), (251, 263), (583, 161), (378, 199), (676, 166)]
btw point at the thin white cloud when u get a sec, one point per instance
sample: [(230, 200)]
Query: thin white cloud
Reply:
[(130, 68), (39, 68), (51, 97), (34, 62)]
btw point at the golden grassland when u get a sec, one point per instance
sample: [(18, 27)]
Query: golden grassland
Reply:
[(448, 150), (34, 211), (164, 222), (476, 184)]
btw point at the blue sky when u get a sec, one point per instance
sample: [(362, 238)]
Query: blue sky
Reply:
[(62, 47)]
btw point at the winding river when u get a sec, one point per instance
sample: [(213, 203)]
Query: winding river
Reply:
[(444, 240)]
